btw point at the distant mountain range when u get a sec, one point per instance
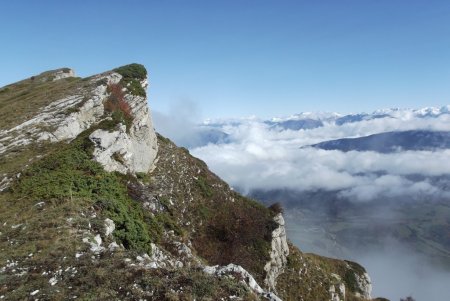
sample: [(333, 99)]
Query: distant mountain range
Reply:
[(389, 142), (340, 119), (419, 131), (309, 120)]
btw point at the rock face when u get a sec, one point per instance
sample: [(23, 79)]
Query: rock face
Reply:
[(64, 119), (337, 292), (128, 152), (278, 254), (63, 73), (233, 270), (365, 285), (90, 112)]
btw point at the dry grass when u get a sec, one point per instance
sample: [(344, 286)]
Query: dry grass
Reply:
[(22, 100)]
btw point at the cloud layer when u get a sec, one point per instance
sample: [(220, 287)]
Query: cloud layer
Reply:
[(264, 157)]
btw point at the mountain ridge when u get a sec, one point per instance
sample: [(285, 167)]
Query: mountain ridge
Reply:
[(123, 213), (388, 142)]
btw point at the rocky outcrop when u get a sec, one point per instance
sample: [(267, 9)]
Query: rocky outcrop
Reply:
[(364, 284), (337, 292), (128, 151), (278, 254), (233, 270), (63, 73), (65, 118), (89, 111)]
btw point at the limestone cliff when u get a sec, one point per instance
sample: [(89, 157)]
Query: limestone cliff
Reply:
[(132, 150), (125, 214), (278, 254), (81, 107)]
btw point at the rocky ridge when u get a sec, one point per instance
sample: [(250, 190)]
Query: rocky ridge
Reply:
[(126, 215)]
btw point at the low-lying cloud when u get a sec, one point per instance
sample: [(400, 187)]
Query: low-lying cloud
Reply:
[(399, 272), (263, 157)]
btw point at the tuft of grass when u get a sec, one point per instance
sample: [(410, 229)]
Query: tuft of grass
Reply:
[(205, 188), (118, 157), (144, 177)]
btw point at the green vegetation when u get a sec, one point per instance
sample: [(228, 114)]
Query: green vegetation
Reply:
[(144, 177), (192, 284), (295, 284), (316, 277), (131, 76), (228, 227), (204, 187), (14, 162), (276, 207), (70, 173), (237, 232)]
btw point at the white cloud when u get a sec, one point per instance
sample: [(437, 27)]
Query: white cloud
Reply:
[(261, 157)]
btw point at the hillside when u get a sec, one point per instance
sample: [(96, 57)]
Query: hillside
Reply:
[(97, 206), (415, 140)]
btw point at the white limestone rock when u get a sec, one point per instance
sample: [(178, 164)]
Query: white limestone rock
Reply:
[(4, 183), (365, 285), (337, 292), (109, 227), (278, 254), (158, 258), (63, 73), (185, 254), (128, 150), (95, 243), (53, 123), (232, 269), (113, 246)]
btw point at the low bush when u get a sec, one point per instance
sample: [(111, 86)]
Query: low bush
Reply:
[(131, 76), (71, 174), (117, 105), (276, 208)]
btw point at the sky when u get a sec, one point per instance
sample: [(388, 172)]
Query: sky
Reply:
[(242, 58)]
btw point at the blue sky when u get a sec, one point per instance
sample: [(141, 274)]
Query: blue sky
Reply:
[(240, 58)]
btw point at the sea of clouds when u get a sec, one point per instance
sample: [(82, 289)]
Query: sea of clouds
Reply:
[(260, 156)]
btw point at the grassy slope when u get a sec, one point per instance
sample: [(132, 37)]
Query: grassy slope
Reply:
[(67, 197), (62, 197), (22, 100), (215, 217), (223, 226)]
